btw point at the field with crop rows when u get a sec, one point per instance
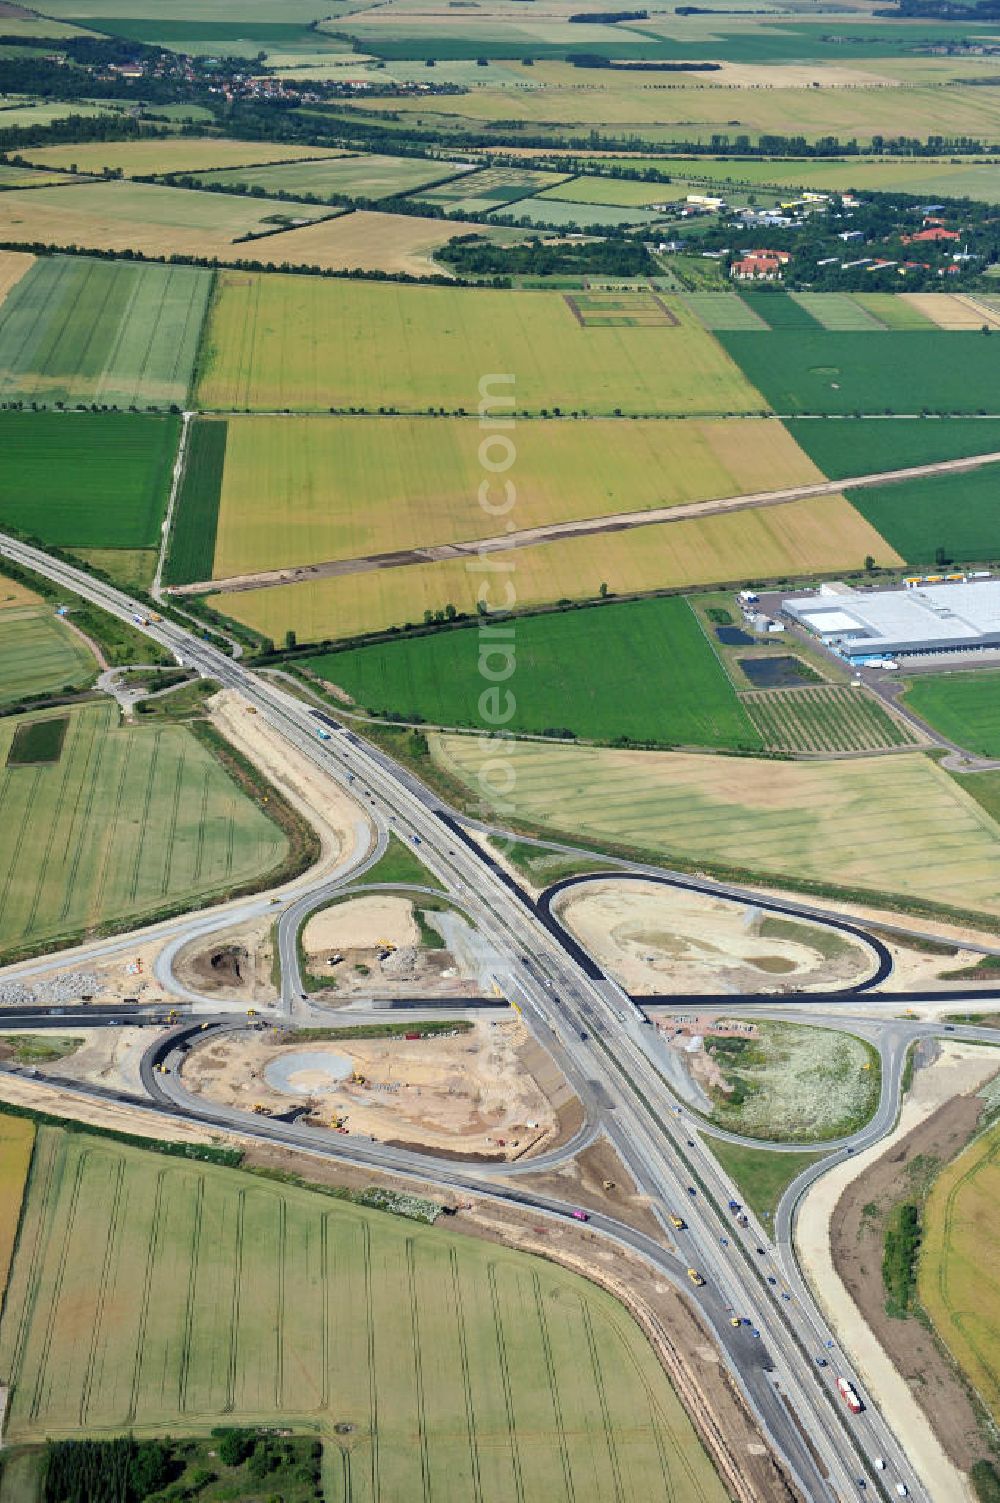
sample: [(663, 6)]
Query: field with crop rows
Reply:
[(816, 370), (799, 538), (144, 217), (868, 446), (827, 718), (794, 1084), (367, 176), (554, 211), (196, 510), (491, 188), (958, 1282), (887, 824), (954, 512), (268, 347), (837, 311), (39, 654), (643, 669), (127, 821), (99, 480), (722, 310), (891, 309), (17, 1139), (163, 154), (154, 1295), (74, 330), (965, 707), (308, 489)]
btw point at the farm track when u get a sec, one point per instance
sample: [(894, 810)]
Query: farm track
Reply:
[(589, 526)]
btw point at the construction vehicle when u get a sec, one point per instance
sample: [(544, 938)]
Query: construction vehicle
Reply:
[(251, 710), (251, 1012), (607, 1184), (204, 1026), (260, 1110), (172, 1015), (678, 1222), (154, 617), (358, 1079), (849, 1394), (695, 1277), (734, 1320)]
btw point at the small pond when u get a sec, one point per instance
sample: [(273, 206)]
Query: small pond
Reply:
[(733, 636), (777, 673)]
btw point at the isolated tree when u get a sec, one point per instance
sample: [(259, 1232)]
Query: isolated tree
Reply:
[(869, 564)]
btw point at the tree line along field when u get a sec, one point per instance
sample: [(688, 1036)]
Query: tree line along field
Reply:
[(642, 669), (965, 707), (74, 330), (127, 821), (40, 654), (824, 718), (464, 1370), (268, 346), (298, 490), (817, 370), (93, 480), (798, 538), (957, 1280), (860, 823)]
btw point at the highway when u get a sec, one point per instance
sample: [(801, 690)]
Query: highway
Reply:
[(608, 1051)]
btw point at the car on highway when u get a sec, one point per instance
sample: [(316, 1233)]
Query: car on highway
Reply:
[(822, 1362), (579, 1215), (735, 1321), (771, 1279), (692, 1190)]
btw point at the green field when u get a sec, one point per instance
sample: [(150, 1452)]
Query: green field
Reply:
[(39, 654), (779, 311), (965, 707), (762, 1175), (827, 718), (545, 211), (620, 192), (892, 311), (196, 513), (97, 480), (154, 1295), (269, 347), (128, 822), (642, 669), (953, 512), (74, 330), (815, 370), (889, 825), (369, 176), (867, 446), (300, 490)]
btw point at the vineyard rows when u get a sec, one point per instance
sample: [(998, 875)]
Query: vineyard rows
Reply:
[(825, 718)]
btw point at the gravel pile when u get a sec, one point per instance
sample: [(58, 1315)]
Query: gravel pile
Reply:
[(70, 986)]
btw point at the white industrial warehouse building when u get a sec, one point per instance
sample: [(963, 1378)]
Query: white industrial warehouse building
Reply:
[(868, 625)]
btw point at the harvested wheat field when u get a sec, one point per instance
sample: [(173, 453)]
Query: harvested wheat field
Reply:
[(821, 535), (17, 1139), (166, 154), (367, 241), (13, 265), (895, 825), (953, 310)]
